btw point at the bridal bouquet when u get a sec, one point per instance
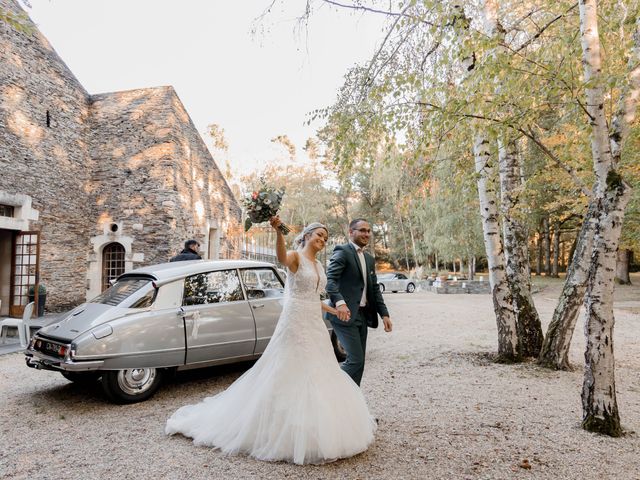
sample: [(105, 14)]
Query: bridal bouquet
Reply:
[(263, 204)]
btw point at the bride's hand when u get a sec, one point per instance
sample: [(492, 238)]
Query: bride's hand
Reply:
[(275, 222)]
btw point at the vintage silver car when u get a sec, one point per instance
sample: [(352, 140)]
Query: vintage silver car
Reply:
[(161, 318), (395, 282)]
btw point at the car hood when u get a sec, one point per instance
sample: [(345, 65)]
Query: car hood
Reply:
[(81, 319)]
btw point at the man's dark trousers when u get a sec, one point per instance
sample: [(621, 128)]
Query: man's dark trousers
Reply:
[(353, 337)]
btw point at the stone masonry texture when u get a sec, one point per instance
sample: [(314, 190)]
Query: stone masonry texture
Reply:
[(133, 158)]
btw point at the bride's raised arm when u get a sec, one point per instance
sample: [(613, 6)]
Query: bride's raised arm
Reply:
[(288, 259)]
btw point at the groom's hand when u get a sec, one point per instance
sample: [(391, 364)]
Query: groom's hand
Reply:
[(388, 326), (343, 313)]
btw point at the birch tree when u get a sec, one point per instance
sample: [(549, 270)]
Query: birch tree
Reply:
[(508, 348), (518, 270), (599, 404)]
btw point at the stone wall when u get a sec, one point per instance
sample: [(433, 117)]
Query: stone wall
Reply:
[(161, 185), (462, 286), (126, 166), (204, 197), (43, 153)]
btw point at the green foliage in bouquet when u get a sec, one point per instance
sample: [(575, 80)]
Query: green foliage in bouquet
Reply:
[(263, 204)]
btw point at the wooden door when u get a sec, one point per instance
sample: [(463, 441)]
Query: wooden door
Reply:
[(24, 272)]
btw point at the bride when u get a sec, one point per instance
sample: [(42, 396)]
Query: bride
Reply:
[(295, 404)]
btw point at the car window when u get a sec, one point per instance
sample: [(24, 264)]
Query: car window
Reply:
[(402, 276), (212, 287), (146, 300), (261, 282), (268, 279), (250, 279), (120, 291)]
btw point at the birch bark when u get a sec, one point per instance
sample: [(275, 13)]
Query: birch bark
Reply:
[(555, 348), (599, 404), (508, 349), (516, 254)]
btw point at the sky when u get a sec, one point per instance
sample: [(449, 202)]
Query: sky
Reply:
[(256, 86)]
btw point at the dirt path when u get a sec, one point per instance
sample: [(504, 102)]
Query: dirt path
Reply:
[(445, 410)]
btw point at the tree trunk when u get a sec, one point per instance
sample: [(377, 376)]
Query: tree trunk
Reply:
[(555, 349), (599, 404), (539, 259), (556, 250), (404, 240), (413, 243), (516, 254), (547, 247), (502, 300), (473, 267), (622, 267)]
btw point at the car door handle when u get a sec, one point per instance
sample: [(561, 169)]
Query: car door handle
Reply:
[(257, 305), (182, 313)]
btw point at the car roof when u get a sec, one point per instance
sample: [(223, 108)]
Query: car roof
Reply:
[(172, 270)]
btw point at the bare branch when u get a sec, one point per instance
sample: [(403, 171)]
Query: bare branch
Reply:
[(571, 171), (383, 12), (527, 133), (379, 51), (542, 29)]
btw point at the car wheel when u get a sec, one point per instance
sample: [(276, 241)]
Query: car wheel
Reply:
[(381, 287), (81, 377), (411, 288), (131, 385)]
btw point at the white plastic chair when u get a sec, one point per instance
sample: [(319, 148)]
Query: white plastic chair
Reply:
[(24, 330), (23, 326)]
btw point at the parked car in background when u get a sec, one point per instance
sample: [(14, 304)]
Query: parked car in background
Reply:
[(166, 317), (395, 282)]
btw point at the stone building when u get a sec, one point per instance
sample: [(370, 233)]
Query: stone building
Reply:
[(93, 185)]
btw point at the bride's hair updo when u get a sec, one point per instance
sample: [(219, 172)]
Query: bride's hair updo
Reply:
[(300, 240)]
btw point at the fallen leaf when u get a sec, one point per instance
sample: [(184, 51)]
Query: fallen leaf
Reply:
[(525, 464)]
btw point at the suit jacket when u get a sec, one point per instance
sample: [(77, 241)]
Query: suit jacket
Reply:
[(345, 282)]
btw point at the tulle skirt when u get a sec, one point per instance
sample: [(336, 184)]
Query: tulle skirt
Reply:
[(295, 404)]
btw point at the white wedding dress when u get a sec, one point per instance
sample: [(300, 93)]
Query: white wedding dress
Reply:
[(295, 404)]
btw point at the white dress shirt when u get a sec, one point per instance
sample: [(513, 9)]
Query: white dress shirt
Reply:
[(363, 265)]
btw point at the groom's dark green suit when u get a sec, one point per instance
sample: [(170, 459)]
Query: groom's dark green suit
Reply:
[(345, 282)]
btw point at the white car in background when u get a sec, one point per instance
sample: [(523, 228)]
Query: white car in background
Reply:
[(396, 282)]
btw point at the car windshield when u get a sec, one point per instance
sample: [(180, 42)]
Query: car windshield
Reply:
[(120, 291)]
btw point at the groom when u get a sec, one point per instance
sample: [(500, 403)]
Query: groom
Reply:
[(353, 288)]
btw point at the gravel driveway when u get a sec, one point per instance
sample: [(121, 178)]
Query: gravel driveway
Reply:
[(444, 410)]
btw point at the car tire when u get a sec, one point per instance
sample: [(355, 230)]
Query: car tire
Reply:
[(411, 288), (81, 377), (381, 287), (131, 385)]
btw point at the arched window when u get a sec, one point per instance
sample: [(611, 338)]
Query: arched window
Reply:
[(112, 263)]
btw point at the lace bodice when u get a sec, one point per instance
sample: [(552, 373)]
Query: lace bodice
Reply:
[(308, 282)]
